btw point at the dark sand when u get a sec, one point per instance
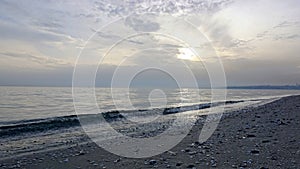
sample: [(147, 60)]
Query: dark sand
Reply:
[(267, 136)]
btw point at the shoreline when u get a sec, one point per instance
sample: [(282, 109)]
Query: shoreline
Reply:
[(257, 137)]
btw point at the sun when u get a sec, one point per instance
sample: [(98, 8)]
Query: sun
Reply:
[(187, 54)]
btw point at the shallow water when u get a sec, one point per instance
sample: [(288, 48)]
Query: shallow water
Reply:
[(24, 103)]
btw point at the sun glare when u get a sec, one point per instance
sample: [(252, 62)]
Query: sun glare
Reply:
[(187, 54)]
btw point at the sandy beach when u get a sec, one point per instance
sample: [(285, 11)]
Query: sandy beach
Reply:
[(262, 137)]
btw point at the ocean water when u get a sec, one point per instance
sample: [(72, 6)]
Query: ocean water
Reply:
[(36, 119), (26, 103)]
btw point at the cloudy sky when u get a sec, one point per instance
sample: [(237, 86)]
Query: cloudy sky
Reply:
[(257, 41)]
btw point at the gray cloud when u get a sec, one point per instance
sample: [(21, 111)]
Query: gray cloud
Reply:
[(50, 26), (141, 24), (61, 76), (42, 60), (154, 57), (107, 36), (170, 46), (179, 7), (114, 38), (287, 37), (273, 33), (285, 24), (221, 38), (252, 72), (8, 31)]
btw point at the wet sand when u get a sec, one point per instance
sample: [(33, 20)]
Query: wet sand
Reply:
[(262, 137)]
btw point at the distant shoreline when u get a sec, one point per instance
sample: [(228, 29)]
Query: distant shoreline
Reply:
[(255, 87), (268, 87)]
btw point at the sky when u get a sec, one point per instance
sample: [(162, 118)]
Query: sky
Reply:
[(158, 42)]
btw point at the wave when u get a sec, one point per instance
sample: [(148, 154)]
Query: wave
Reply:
[(38, 125), (55, 123)]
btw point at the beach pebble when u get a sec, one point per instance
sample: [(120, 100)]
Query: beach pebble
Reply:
[(197, 143), (152, 162), (256, 152), (81, 152), (179, 163), (172, 153), (250, 136), (186, 150), (117, 160), (163, 159), (280, 122), (265, 141), (206, 147), (192, 152), (274, 158), (191, 166), (244, 164)]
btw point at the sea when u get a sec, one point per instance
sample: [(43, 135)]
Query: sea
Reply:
[(46, 116)]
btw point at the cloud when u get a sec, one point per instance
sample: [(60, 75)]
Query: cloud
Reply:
[(155, 57), (220, 37), (45, 16), (39, 59), (250, 71), (177, 8), (10, 31), (106, 35), (115, 38), (281, 31), (170, 46), (51, 26), (61, 76), (287, 37), (142, 24), (285, 24)]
